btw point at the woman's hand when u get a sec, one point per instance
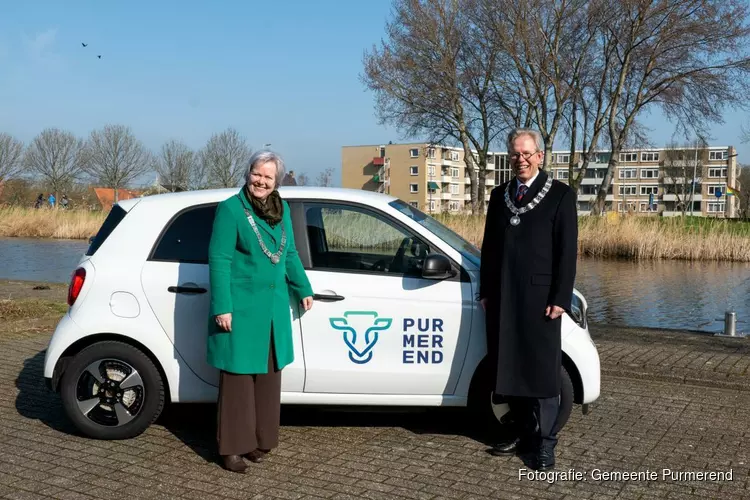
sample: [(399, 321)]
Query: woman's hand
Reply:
[(224, 321), (307, 303)]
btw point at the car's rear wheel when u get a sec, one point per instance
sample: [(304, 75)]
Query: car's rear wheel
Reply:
[(111, 390), (492, 417)]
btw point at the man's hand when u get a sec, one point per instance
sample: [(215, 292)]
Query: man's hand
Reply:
[(307, 303), (554, 312), (224, 321)]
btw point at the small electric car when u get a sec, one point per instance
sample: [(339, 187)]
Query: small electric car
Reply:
[(396, 320)]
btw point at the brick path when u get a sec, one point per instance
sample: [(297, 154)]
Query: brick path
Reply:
[(648, 418)]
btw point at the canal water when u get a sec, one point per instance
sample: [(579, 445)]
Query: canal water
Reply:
[(659, 294)]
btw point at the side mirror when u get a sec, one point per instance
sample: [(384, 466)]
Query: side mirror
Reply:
[(91, 239), (437, 267)]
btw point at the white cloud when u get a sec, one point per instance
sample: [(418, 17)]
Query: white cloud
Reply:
[(40, 49)]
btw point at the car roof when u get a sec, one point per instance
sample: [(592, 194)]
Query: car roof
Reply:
[(195, 197)]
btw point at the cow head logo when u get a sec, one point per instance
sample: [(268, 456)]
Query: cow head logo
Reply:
[(360, 346)]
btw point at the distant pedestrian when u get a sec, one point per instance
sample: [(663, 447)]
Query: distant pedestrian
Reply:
[(51, 200), (39, 201), (64, 201)]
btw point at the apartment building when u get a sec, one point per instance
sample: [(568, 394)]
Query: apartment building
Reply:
[(647, 182)]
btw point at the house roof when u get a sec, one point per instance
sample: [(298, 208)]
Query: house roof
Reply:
[(106, 196)]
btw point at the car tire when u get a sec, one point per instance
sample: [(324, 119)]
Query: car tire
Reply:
[(98, 406), (491, 418)]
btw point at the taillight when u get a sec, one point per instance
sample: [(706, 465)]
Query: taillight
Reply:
[(76, 283)]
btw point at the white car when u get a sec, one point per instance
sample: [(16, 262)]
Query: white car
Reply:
[(393, 324)]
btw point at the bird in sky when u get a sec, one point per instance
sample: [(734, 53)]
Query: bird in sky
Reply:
[(99, 57), (84, 44)]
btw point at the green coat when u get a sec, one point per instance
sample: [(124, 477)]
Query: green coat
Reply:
[(257, 292)]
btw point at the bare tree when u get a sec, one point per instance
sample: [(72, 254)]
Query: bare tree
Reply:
[(682, 167), (303, 180), (433, 77), (11, 156), (325, 178), (224, 159), (687, 57), (58, 157), (548, 46), (115, 157), (178, 167)]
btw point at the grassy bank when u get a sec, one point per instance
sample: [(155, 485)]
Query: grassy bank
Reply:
[(629, 237), (45, 223)]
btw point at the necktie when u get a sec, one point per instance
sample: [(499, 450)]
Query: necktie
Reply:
[(521, 191)]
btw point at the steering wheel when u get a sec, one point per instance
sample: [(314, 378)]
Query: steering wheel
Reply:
[(396, 263)]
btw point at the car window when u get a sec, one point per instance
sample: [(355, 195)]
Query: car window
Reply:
[(187, 237), (114, 218), (350, 238)]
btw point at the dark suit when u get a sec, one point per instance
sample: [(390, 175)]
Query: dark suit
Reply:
[(524, 269)]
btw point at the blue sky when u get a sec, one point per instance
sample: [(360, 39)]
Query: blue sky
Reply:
[(285, 73)]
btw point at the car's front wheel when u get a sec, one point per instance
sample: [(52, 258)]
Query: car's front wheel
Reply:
[(111, 390), (493, 416)]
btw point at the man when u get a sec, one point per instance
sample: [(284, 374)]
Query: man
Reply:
[(527, 275), (289, 179)]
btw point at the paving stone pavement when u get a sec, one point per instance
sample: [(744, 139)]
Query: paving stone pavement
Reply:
[(675, 401)]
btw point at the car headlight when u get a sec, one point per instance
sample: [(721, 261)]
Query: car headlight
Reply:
[(578, 311)]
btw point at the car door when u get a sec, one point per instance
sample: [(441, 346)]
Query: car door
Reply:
[(377, 326), (176, 282)]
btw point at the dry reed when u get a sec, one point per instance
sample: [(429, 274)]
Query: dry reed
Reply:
[(627, 237), (47, 223)]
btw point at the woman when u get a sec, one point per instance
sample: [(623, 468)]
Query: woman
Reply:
[(254, 268)]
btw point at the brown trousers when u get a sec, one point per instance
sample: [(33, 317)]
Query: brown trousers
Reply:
[(249, 410)]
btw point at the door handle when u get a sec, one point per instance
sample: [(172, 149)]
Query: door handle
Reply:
[(327, 296), (186, 289)]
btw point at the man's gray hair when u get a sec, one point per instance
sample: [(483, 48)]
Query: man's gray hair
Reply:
[(261, 157), (518, 132)]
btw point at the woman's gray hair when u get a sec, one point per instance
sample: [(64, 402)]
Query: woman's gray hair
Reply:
[(518, 132), (261, 157)]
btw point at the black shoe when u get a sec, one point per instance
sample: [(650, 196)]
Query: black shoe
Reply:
[(544, 459), (510, 447)]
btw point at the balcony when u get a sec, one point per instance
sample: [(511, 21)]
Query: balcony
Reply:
[(378, 161), (674, 197), (445, 196), (591, 181)]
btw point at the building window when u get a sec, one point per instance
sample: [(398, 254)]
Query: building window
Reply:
[(647, 190), (455, 173), (644, 207), (628, 157), (716, 207), (717, 172), (588, 189), (454, 155), (431, 170), (628, 173), (431, 153), (628, 190), (650, 156), (649, 173), (454, 206), (629, 206), (432, 205), (414, 170), (414, 153), (716, 187), (454, 188), (413, 188), (414, 204), (564, 159), (718, 155), (562, 174)]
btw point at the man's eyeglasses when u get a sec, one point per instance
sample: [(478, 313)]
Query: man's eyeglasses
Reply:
[(526, 156)]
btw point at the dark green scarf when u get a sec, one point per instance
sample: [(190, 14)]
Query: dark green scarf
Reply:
[(270, 210)]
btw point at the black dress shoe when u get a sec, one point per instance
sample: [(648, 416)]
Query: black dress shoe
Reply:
[(510, 447), (234, 463), (544, 459)]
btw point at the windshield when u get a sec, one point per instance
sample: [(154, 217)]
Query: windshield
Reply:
[(466, 249)]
